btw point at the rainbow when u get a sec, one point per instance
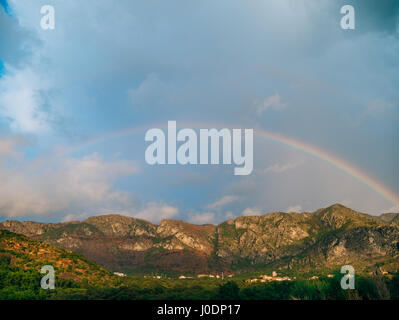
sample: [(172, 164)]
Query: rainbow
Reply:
[(346, 167), (335, 161)]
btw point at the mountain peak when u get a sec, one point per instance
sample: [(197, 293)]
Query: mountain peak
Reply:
[(118, 225), (338, 206)]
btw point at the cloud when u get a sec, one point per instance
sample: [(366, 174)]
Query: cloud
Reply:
[(296, 208), (23, 100), (50, 185), (179, 66), (155, 212), (152, 211), (254, 211), (316, 184), (7, 146), (376, 107), (202, 218), (222, 202), (230, 215), (280, 168), (273, 103), (394, 209), (75, 217), (16, 42), (151, 92)]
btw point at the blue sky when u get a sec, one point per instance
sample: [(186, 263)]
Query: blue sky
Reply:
[(283, 66)]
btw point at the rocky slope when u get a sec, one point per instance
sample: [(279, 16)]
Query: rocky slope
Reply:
[(391, 218), (325, 238), (27, 254)]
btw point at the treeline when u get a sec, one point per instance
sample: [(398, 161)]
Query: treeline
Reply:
[(321, 289), (24, 284), (17, 283)]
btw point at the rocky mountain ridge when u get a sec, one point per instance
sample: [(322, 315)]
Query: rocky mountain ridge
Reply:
[(325, 238)]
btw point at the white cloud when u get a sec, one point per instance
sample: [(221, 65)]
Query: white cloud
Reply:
[(202, 218), (155, 212), (152, 211), (254, 211), (22, 100), (296, 208), (222, 202), (394, 209), (273, 102), (49, 185), (75, 217), (230, 215), (280, 168)]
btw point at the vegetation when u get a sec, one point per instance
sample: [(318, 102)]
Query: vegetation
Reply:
[(79, 278), (19, 283), (317, 244), (21, 259)]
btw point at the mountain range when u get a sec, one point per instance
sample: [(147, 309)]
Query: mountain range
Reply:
[(324, 239)]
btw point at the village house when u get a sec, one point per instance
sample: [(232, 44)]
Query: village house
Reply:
[(119, 274), (266, 278)]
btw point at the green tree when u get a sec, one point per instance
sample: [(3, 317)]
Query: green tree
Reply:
[(228, 291)]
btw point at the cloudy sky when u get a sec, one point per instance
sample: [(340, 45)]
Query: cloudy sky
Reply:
[(71, 98)]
